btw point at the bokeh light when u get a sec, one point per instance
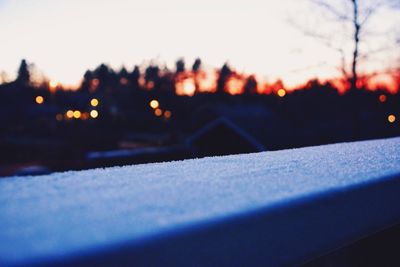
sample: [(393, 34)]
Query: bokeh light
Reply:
[(69, 114), (94, 102), (39, 100), (77, 114), (167, 114), (391, 118), (158, 112), (59, 117), (94, 114), (281, 92), (154, 104)]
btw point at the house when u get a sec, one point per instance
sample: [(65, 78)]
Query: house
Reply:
[(222, 137)]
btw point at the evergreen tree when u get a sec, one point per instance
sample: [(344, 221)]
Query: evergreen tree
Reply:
[(224, 74), (24, 75), (180, 66), (196, 65)]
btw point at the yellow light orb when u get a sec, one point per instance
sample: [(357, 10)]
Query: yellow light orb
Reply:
[(77, 114), (154, 104), (39, 100), (94, 102), (158, 112), (281, 92), (391, 118), (94, 114)]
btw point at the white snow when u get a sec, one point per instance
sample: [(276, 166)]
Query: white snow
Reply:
[(65, 213)]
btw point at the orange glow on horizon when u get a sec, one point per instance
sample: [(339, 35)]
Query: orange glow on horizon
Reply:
[(234, 86), (383, 81), (186, 87), (207, 81), (188, 83), (53, 84)]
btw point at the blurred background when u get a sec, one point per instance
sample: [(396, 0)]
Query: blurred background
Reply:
[(86, 84)]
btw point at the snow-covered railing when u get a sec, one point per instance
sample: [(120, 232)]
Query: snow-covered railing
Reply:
[(270, 208)]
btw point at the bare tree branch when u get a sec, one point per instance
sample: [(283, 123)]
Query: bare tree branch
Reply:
[(357, 29), (361, 13), (370, 11), (339, 15)]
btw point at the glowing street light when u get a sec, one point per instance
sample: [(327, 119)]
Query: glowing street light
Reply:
[(69, 114), (39, 100), (281, 92), (77, 114), (154, 104), (391, 118), (94, 114), (94, 102)]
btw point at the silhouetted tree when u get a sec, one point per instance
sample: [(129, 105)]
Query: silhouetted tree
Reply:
[(356, 15), (113, 80), (133, 77), (250, 86), (196, 65), (87, 81), (278, 84), (151, 74), (24, 76), (180, 66), (123, 73), (195, 69), (357, 25), (356, 39), (122, 77), (224, 74), (102, 73)]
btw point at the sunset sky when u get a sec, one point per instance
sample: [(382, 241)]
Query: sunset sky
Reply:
[(66, 37)]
